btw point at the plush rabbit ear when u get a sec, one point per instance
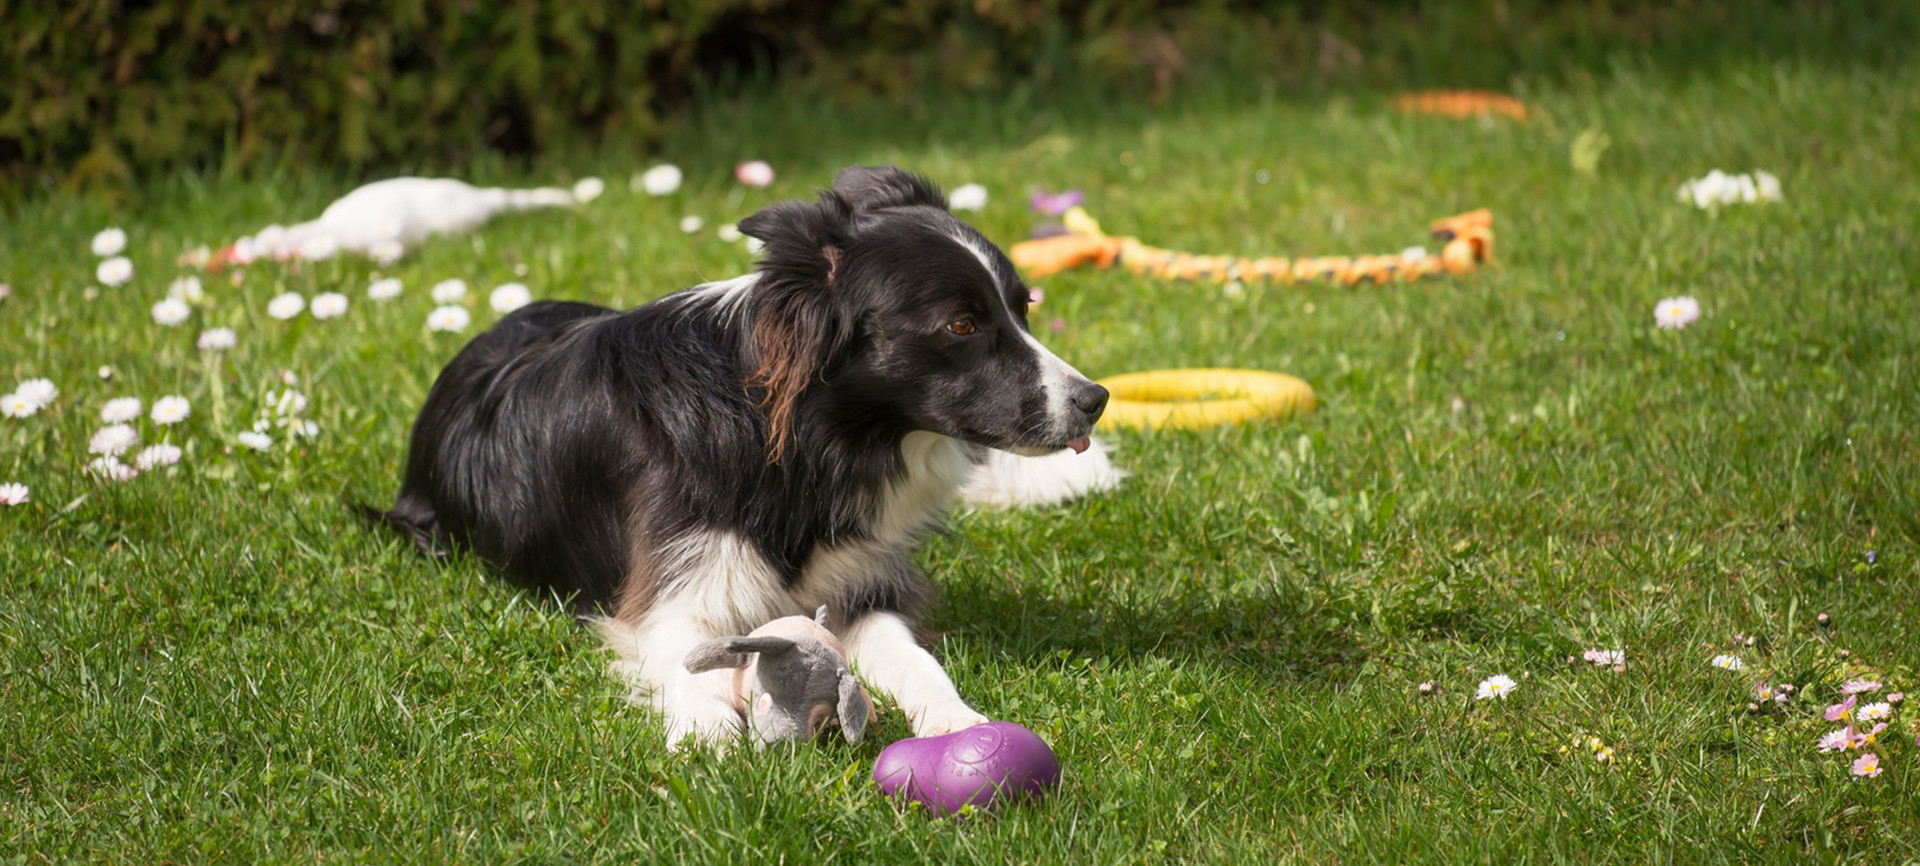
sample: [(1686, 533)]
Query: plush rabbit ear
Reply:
[(713, 655), (732, 652), (854, 706)]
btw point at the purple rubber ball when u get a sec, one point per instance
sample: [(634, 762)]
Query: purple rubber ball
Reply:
[(981, 766)]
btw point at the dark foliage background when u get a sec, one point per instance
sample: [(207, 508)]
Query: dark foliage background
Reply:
[(103, 91)]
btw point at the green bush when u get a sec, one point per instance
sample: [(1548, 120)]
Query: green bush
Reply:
[(105, 88)]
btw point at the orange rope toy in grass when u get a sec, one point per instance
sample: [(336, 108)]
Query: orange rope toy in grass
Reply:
[(1462, 104), (1468, 238)]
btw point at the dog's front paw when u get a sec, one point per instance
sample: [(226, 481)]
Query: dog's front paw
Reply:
[(713, 723), (944, 719)]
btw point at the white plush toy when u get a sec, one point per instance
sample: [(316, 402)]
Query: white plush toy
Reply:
[(382, 219)]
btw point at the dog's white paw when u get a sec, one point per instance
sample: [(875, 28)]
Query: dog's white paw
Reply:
[(712, 722), (944, 719)]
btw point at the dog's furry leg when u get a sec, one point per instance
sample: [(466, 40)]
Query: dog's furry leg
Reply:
[(700, 707), (884, 652)]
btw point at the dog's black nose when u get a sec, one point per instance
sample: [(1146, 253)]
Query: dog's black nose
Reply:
[(1090, 399)]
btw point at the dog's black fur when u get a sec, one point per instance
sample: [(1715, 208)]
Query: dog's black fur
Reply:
[(571, 444)]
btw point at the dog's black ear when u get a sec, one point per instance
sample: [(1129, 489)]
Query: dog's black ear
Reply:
[(871, 187), (798, 326)]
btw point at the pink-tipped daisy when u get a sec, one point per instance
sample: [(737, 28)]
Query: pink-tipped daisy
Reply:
[(111, 469), (113, 440), (154, 456), (1605, 657), (1856, 687), (1874, 711), (1860, 739), (754, 173), (1835, 740), (1840, 710), (1867, 766)]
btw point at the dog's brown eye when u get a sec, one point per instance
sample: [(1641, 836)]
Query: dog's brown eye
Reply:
[(961, 327)]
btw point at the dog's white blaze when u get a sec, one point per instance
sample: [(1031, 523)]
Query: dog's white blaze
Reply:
[(1056, 376), (936, 466)]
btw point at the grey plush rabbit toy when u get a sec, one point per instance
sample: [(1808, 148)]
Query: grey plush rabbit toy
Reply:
[(792, 673)]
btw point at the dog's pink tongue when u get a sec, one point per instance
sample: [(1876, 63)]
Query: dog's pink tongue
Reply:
[(1081, 444)]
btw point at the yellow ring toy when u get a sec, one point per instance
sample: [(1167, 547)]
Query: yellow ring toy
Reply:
[(1196, 398)]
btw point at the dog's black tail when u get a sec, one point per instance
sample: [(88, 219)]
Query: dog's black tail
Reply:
[(418, 525)]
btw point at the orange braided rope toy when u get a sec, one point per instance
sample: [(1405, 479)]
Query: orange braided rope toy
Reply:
[(1468, 241)]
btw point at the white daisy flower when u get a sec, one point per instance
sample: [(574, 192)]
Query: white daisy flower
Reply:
[(318, 248), (244, 251), (661, 179), (588, 189), (113, 440), (16, 406), (187, 289), (968, 197), (384, 290), (111, 469), (114, 271), (171, 312), (170, 410), (304, 429), (1874, 712), (754, 173), (154, 456), (217, 339), (254, 439), (13, 494), (1728, 662), (1496, 686), (691, 224), (386, 252), (120, 409), (40, 391), (1413, 255), (109, 242), (287, 403), (728, 232), (329, 305), (1834, 741), (271, 241), (286, 306), (449, 319), (509, 297), (448, 291), (1676, 313), (1769, 186)]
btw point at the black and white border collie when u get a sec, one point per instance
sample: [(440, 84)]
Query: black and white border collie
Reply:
[(750, 449)]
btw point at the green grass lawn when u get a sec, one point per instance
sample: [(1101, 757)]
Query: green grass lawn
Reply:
[(215, 663)]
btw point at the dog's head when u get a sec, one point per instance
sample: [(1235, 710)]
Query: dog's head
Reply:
[(879, 295)]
